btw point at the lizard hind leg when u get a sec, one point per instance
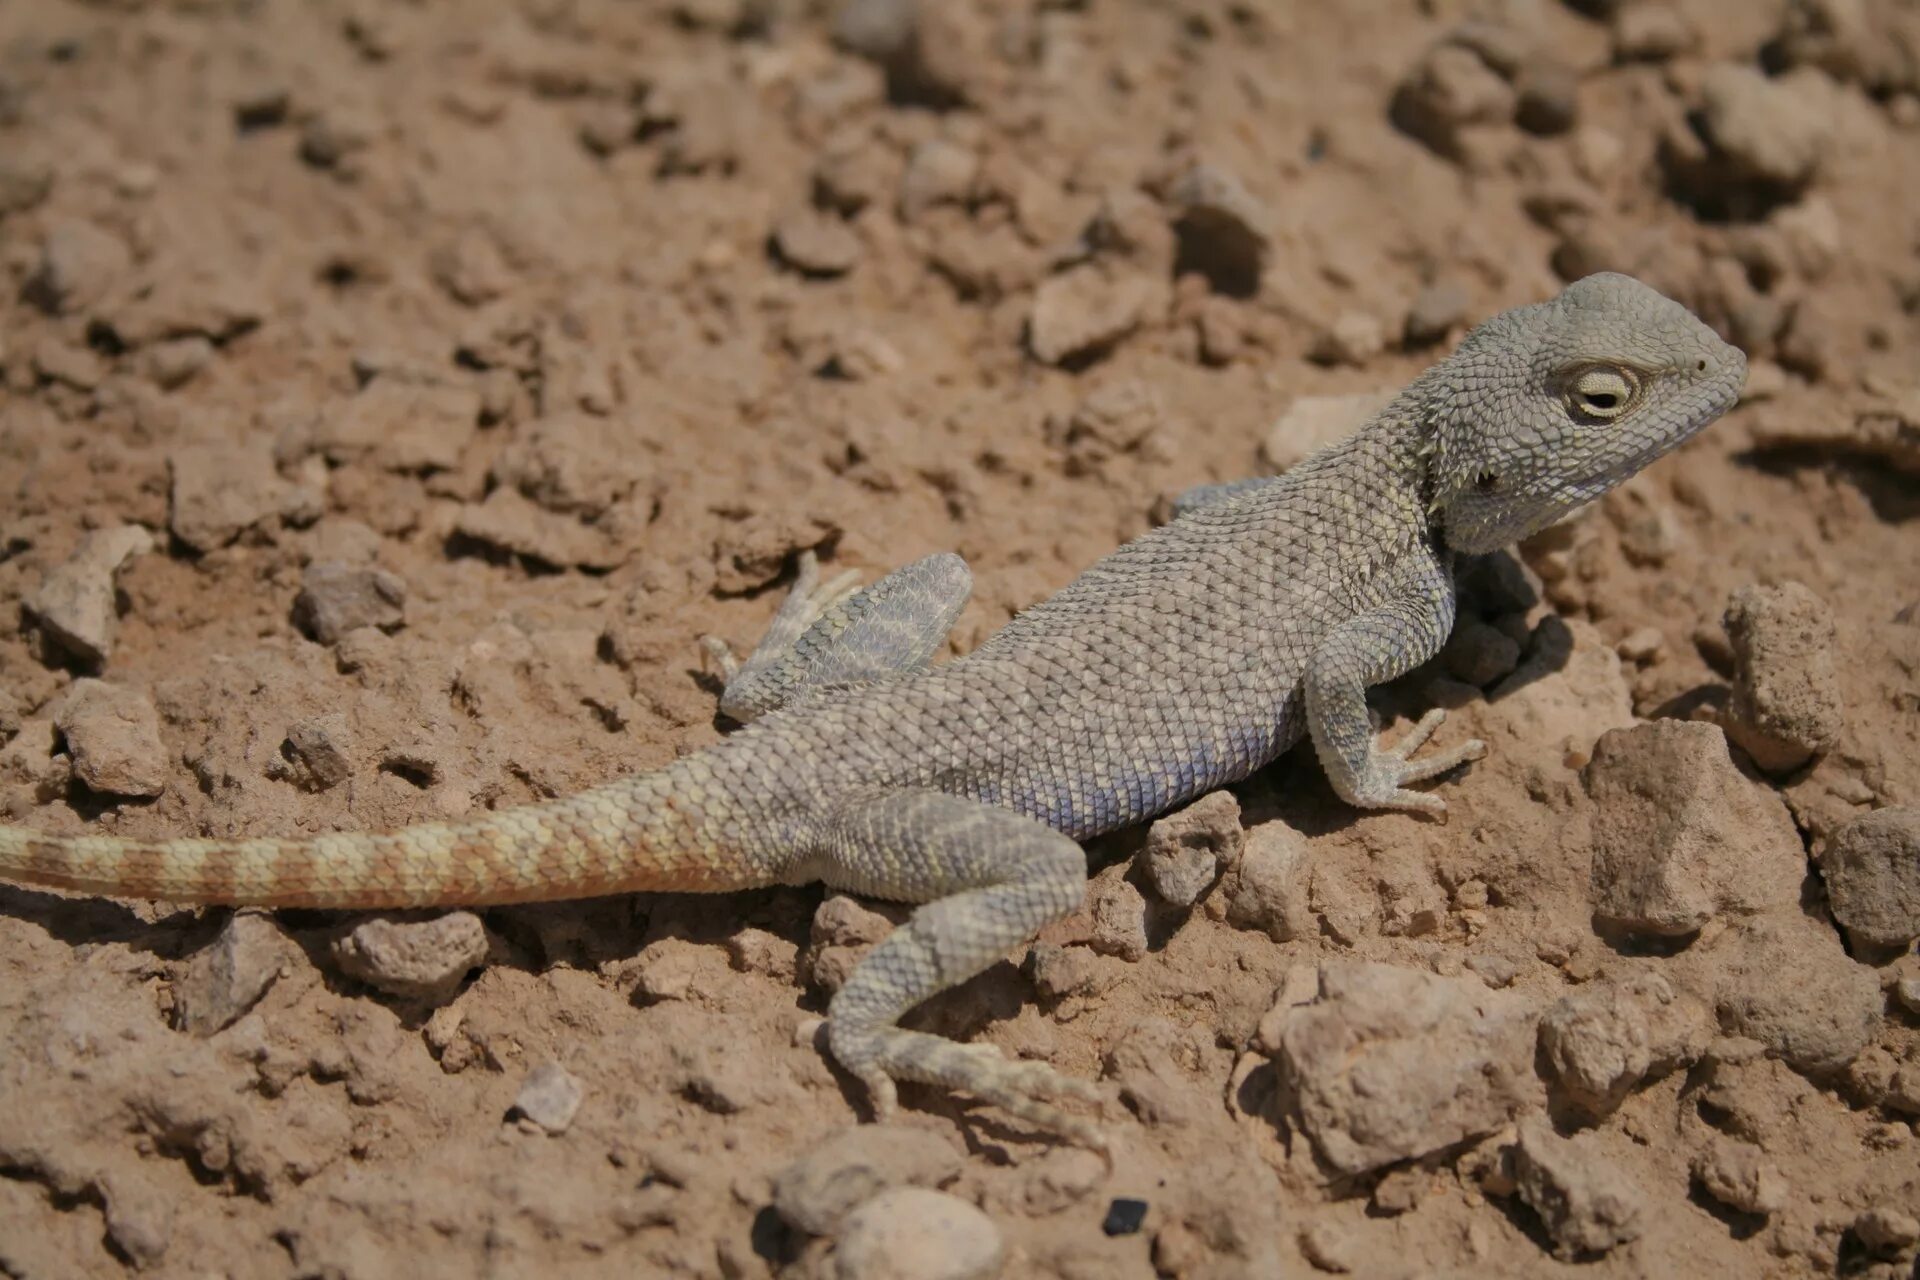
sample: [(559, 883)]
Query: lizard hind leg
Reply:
[(829, 635), (989, 878)]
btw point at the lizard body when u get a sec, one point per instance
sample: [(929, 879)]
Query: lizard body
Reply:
[(1184, 660)]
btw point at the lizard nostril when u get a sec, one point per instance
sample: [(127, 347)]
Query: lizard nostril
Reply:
[(1701, 364)]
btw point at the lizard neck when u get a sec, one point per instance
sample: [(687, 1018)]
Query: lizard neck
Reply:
[(1396, 446)]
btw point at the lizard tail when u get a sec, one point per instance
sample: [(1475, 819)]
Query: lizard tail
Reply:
[(620, 838)]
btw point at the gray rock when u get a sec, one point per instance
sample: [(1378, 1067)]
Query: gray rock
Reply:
[(1872, 870), (1186, 850), (75, 603), (549, 1099), (1390, 1064), (910, 1233), (416, 960), (229, 977), (336, 598), (1786, 705), (816, 1192), (1586, 1204), (1680, 837), (113, 736)]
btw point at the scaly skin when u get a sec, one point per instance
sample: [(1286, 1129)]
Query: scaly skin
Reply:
[(1185, 660)]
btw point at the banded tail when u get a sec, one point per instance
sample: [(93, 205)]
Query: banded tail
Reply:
[(623, 837)]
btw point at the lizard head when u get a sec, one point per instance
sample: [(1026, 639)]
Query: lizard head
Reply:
[(1544, 408)]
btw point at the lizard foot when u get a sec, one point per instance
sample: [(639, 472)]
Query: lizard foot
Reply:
[(1390, 769), (806, 600), (1027, 1090)]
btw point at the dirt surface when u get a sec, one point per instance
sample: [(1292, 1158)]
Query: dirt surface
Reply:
[(394, 394)]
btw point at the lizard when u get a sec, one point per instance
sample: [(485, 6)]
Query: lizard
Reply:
[(1193, 655)]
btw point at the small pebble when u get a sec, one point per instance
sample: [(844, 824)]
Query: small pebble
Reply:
[(1124, 1216), (549, 1099)]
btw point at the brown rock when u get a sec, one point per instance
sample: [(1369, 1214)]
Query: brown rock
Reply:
[(1601, 1041), (1391, 1063), (1119, 919), (1186, 850), (1818, 1022), (228, 978), (1311, 423), (336, 598), (175, 361), (1267, 888), (79, 265), (1083, 312), (1224, 230), (848, 1168), (549, 1099), (816, 243), (1679, 836), (220, 491), (1786, 692), (113, 736), (415, 960), (1739, 1175), (508, 520), (1437, 311), (1586, 1204), (938, 172), (402, 425), (319, 752), (1449, 93), (1872, 871), (910, 1233), (75, 603)]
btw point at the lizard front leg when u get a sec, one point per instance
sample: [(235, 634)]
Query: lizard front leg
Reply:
[(828, 636), (1378, 645), (990, 878)]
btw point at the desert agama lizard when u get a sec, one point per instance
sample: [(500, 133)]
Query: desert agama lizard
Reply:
[(1184, 660)]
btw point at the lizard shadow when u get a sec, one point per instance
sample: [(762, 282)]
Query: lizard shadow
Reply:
[(90, 921)]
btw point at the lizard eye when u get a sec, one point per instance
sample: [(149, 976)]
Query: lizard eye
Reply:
[(1602, 394)]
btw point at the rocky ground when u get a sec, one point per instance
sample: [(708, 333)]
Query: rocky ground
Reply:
[(394, 394)]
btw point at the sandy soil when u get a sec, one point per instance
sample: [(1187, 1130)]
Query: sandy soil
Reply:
[(394, 394)]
